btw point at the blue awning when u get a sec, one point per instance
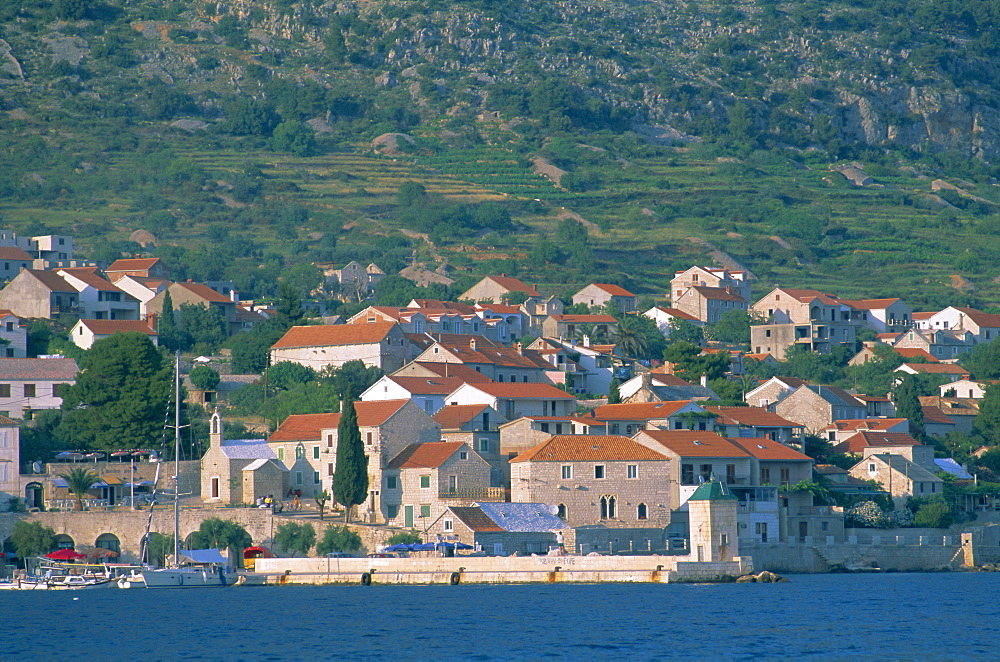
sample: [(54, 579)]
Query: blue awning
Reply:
[(59, 482), (204, 556)]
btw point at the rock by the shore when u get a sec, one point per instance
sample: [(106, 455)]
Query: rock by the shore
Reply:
[(764, 577)]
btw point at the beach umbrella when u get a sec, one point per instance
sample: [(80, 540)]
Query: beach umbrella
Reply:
[(64, 555), (399, 547)]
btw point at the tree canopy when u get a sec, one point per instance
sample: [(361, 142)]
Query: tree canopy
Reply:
[(350, 476), (120, 396), (295, 538)]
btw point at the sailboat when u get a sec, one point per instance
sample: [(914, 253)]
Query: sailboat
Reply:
[(199, 568)]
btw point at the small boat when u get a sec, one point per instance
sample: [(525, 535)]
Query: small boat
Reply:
[(207, 568), (61, 583)]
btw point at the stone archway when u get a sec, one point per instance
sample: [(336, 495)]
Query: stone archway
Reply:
[(34, 495), (64, 541), (109, 541)]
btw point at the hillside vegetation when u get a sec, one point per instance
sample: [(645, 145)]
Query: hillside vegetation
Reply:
[(842, 145)]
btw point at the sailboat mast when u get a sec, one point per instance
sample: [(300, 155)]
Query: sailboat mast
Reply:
[(177, 458)]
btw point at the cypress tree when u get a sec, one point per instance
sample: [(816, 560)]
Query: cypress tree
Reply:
[(350, 476), (166, 326), (614, 397), (906, 396)]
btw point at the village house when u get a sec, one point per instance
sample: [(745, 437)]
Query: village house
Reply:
[(899, 476), (223, 464), (664, 316), (676, 415), (577, 326), (433, 321), (944, 345), (510, 322), (196, 294), (42, 294), (12, 260), (737, 282), (423, 480), (876, 406), (14, 331), (596, 295), (428, 392), (984, 327), (709, 304), (772, 391), (28, 385), (660, 387), (387, 427), (352, 282), (142, 290), (813, 319), (538, 309), (755, 422), (86, 332), (515, 400), (431, 369), (526, 432), (900, 443), (381, 345), (497, 362), (53, 249), (98, 298), (579, 366), (948, 371), (869, 353), (841, 430), (595, 479), (146, 267), (815, 407), (974, 389), (477, 426), (503, 529), (882, 315), (495, 289)]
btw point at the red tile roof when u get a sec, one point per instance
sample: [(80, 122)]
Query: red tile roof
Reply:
[(751, 416), (588, 448), (453, 417), (806, 296), (335, 335), (613, 290), (499, 308), (515, 391), (674, 312), (857, 442), (864, 424), (463, 372), (13, 253), (923, 316), (639, 411), (935, 415), (695, 443), (87, 276), (133, 264), (204, 292), (51, 280), (937, 368), (428, 385), (980, 318), (489, 353), (474, 518), (870, 304), (108, 327), (718, 294), (514, 285), (425, 456), (767, 449), (913, 352), (307, 427)]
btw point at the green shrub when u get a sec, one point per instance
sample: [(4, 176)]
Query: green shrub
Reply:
[(338, 539)]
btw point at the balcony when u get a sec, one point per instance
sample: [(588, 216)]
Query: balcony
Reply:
[(474, 494)]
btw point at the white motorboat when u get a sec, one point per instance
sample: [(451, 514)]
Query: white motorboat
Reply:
[(207, 569), (63, 583)]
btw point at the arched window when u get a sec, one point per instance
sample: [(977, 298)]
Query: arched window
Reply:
[(108, 541), (63, 541), (561, 513), (299, 452), (608, 507), (642, 512)]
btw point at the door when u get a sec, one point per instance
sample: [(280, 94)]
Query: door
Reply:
[(763, 531), (498, 549), (215, 488), (408, 516), (803, 530)]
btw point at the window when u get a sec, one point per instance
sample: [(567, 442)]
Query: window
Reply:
[(731, 473), (561, 512), (453, 484), (315, 478), (545, 427), (425, 511), (724, 539), (678, 425), (824, 526), (298, 477), (633, 471), (765, 476), (871, 467), (390, 482), (687, 474), (315, 452), (369, 437), (642, 512), (299, 452), (391, 512), (281, 454), (484, 446), (567, 472), (4, 390), (706, 471), (608, 506), (785, 476), (449, 525), (329, 468), (425, 481), (29, 390), (464, 455), (329, 441), (598, 471)]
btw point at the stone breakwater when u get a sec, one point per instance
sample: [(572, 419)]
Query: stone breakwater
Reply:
[(496, 570)]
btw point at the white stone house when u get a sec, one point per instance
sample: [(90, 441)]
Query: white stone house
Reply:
[(10, 461), (515, 400), (99, 298), (898, 475), (596, 295), (883, 315), (428, 393), (663, 316), (15, 331), (719, 278), (494, 289), (493, 360), (27, 385), (964, 388), (87, 331), (223, 463), (142, 289), (381, 344), (478, 426), (629, 418), (984, 327)]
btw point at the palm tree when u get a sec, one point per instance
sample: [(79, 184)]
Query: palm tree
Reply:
[(79, 481), (630, 339)]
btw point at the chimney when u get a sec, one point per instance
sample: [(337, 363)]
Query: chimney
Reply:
[(647, 380), (586, 340), (503, 275), (151, 320), (520, 348), (704, 381), (472, 344), (234, 296)]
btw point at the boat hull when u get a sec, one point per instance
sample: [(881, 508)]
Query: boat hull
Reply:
[(184, 578)]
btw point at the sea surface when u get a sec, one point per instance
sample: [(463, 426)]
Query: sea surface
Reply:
[(819, 617)]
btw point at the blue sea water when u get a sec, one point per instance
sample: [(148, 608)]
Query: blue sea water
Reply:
[(819, 617)]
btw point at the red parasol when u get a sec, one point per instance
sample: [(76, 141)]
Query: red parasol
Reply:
[(65, 555)]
